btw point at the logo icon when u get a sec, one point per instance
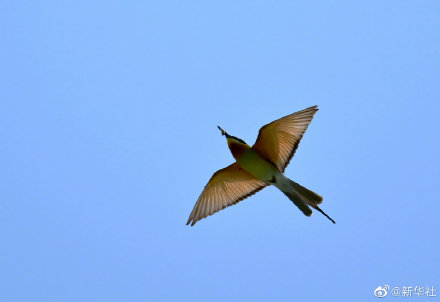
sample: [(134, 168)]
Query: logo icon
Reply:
[(381, 292)]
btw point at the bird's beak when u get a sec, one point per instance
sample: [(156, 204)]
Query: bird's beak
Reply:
[(223, 131)]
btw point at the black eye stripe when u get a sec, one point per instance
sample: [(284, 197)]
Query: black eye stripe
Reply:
[(238, 140), (235, 138)]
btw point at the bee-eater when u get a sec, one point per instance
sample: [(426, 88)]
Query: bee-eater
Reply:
[(260, 166)]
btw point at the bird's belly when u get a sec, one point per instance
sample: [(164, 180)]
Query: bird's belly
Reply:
[(257, 166)]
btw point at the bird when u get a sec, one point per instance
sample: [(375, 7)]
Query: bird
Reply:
[(259, 166)]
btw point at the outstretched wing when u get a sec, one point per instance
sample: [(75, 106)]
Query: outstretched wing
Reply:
[(225, 188), (277, 141)]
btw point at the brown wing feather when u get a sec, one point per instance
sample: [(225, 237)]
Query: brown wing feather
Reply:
[(278, 141), (226, 187)]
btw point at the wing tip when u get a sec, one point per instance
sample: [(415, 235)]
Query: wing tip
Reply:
[(192, 221), (314, 107)]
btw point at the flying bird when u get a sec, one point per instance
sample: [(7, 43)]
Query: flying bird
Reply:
[(260, 166)]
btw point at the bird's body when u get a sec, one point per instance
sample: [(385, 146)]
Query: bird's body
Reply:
[(259, 166)]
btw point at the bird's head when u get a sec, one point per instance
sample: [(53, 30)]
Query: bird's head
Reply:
[(230, 137), (235, 144)]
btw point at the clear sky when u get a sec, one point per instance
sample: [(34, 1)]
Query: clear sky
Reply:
[(108, 134)]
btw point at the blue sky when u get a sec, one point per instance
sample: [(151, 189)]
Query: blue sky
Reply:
[(108, 135)]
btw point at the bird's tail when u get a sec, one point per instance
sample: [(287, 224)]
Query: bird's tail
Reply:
[(301, 197)]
